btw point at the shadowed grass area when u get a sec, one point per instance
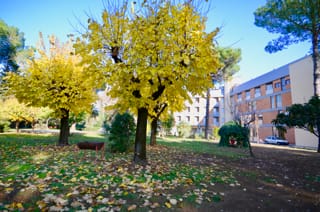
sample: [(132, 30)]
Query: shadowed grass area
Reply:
[(36, 139), (203, 146)]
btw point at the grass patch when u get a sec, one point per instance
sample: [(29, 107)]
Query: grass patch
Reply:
[(203, 146)]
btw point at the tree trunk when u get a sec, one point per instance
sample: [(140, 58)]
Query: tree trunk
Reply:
[(206, 131), (318, 128), (316, 65), (249, 144), (33, 125), (154, 126), (64, 129), (141, 137), (250, 149), (17, 126)]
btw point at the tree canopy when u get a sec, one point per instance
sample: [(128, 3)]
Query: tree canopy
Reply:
[(56, 80), (17, 112), (160, 53), (296, 21), (229, 59), (11, 41), (304, 116)]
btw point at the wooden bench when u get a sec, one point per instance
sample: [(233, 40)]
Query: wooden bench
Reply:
[(97, 146)]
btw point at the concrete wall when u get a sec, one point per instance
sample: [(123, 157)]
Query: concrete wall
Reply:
[(301, 76)]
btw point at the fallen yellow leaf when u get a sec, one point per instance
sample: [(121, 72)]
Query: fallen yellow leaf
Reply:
[(41, 204), (132, 207), (74, 179), (69, 194), (19, 205), (168, 205)]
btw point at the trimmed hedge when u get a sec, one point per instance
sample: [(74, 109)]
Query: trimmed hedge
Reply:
[(233, 130), (122, 133)]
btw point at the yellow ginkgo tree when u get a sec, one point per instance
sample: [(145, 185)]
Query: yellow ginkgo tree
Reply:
[(13, 110), (55, 79), (156, 53)]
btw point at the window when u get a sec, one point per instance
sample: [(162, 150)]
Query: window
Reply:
[(188, 108), (239, 97), (260, 119), (216, 121), (272, 102), (269, 88), (278, 101), (197, 109), (257, 92), (215, 110), (247, 95), (277, 85), (283, 84), (197, 118), (179, 118), (287, 82), (253, 105), (188, 118), (197, 99)]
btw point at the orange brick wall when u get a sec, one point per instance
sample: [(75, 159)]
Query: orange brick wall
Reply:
[(263, 104), (264, 132), (269, 116), (286, 99), (290, 136), (263, 107)]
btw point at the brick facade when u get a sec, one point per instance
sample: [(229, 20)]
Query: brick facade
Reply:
[(267, 95)]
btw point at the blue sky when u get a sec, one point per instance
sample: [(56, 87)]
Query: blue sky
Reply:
[(61, 17)]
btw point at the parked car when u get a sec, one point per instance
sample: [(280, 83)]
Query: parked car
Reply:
[(275, 140)]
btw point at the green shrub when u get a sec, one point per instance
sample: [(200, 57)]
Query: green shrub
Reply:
[(122, 133), (4, 126), (215, 133), (235, 130), (167, 124), (184, 129), (80, 125)]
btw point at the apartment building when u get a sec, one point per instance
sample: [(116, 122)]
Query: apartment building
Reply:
[(195, 113), (258, 101)]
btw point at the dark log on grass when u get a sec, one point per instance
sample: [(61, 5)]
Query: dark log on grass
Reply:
[(90, 145), (97, 146)]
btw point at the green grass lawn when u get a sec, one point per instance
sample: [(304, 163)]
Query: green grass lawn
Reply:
[(38, 175)]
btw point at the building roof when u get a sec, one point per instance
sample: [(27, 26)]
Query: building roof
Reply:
[(265, 78)]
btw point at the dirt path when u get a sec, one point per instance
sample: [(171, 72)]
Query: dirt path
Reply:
[(277, 179)]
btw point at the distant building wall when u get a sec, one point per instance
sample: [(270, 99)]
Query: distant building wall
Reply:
[(301, 74), (195, 113), (270, 94)]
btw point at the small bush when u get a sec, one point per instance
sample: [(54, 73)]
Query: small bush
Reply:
[(184, 129), (122, 133), (233, 130), (215, 133), (4, 126), (80, 125)]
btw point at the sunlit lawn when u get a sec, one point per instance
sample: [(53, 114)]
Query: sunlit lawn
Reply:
[(38, 175)]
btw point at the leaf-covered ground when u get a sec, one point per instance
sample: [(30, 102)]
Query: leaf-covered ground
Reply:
[(40, 176), (48, 177)]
